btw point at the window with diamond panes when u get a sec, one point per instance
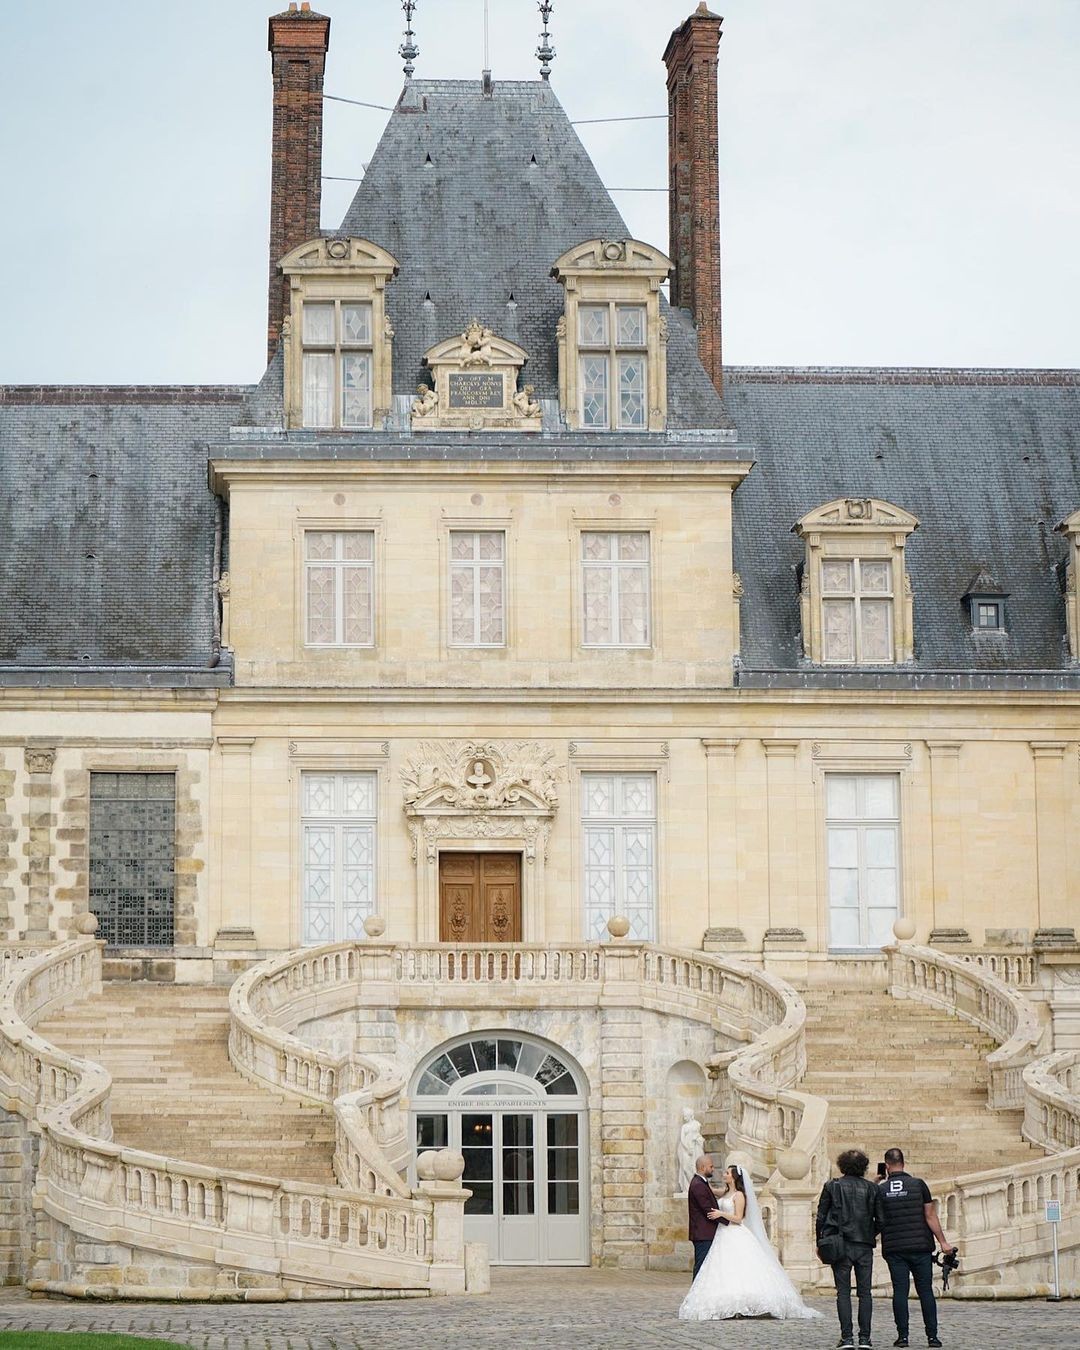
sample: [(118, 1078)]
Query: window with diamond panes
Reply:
[(615, 587), (619, 841), (477, 588), (863, 845), (338, 852), (337, 363), (857, 611), (612, 342), (339, 588), (133, 857)]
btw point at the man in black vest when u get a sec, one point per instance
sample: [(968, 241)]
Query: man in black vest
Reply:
[(705, 1218), (848, 1211), (909, 1225)]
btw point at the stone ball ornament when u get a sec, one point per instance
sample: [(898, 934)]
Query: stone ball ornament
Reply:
[(618, 925), (449, 1166), (86, 925), (904, 930), (374, 925), (793, 1163), (425, 1166)]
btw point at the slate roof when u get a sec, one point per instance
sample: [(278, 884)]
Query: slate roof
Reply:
[(108, 532), (989, 463), (476, 198)]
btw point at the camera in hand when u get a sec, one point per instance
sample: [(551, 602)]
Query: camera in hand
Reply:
[(948, 1261)]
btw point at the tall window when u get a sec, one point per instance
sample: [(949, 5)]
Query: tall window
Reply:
[(857, 610), (338, 851), (133, 857), (612, 341), (339, 588), (477, 588), (337, 346), (864, 858), (619, 838), (615, 589)]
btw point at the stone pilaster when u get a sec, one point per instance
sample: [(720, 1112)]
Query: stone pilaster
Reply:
[(1056, 923), (40, 823), (946, 848), (725, 922), (235, 834), (8, 864), (622, 1137), (783, 849)]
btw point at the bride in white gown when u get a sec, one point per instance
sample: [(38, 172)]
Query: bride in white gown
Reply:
[(741, 1276)]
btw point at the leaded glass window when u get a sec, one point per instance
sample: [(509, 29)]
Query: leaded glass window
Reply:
[(339, 588), (613, 366), (477, 588), (615, 587), (338, 823), (863, 854), (133, 857), (619, 842), (337, 363), (857, 611)]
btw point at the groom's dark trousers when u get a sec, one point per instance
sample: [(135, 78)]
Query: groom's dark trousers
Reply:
[(700, 1200)]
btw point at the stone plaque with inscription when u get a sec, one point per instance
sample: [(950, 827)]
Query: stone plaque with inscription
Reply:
[(476, 390), (474, 386)]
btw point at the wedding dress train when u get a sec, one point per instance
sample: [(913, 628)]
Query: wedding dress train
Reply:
[(741, 1277)]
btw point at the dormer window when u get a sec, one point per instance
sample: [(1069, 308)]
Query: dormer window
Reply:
[(856, 597), (988, 615), (337, 338), (337, 363), (612, 337), (613, 349), (985, 602)]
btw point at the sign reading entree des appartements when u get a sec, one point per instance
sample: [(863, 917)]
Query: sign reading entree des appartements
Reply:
[(476, 390)]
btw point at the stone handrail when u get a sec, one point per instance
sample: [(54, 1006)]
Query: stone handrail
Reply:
[(972, 992), (997, 1216), (743, 1004), (303, 1236)]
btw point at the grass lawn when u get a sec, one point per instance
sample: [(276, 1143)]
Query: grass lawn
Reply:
[(77, 1340)]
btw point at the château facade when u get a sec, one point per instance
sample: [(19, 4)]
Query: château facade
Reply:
[(500, 612)]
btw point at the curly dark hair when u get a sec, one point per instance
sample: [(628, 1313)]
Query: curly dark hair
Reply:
[(853, 1162)]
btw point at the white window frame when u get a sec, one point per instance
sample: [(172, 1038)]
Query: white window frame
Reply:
[(856, 597), (339, 565), (617, 566), (338, 349), (614, 352), (474, 565), (861, 823), (337, 823), (619, 824)]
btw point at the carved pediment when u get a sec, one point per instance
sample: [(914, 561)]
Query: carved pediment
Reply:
[(613, 255), (471, 776), (865, 513), (335, 255), (475, 386)]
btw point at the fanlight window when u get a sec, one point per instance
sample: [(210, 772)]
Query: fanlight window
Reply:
[(491, 1055)]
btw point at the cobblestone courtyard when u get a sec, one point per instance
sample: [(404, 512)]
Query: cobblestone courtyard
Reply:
[(586, 1309)]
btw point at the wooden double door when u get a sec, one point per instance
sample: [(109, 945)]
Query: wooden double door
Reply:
[(480, 897)]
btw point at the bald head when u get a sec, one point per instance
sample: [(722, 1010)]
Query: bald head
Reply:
[(704, 1165)]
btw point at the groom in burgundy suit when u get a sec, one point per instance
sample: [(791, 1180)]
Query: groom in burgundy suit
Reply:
[(705, 1218)]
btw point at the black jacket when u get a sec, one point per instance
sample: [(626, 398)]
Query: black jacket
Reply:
[(903, 1214), (853, 1205)]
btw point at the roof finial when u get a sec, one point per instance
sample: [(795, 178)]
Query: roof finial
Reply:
[(545, 53), (408, 49)]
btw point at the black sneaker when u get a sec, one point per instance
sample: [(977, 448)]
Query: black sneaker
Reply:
[(845, 1343), (901, 1340), (932, 1340), (866, 1345)]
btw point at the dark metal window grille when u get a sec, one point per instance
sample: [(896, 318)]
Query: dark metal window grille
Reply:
[(133, 857)]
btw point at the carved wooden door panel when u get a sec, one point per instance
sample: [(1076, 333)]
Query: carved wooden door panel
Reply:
[(480, 897)]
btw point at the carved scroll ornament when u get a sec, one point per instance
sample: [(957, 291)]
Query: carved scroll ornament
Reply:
[(480, 776)]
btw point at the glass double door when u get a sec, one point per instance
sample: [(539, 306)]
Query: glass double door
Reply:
[(523, 1168)]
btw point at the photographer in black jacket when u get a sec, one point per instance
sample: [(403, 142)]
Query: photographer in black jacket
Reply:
[(909, 1225), (847, 1226)]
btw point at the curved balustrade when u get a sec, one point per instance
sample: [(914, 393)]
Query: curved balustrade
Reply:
[(998, 1216), (307, 1237), (271, 1000)]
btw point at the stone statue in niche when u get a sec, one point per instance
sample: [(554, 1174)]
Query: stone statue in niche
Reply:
[(690, 1148), (427, 403)]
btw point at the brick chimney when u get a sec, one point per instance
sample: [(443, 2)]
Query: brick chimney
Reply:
[(298, 43), (694, 169)]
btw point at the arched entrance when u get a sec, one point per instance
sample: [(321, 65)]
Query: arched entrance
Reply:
[(515, 1107)]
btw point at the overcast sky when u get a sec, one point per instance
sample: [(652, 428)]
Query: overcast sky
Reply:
[(900, 179)]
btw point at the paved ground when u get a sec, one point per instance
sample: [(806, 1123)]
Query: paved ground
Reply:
[(582, 1309)]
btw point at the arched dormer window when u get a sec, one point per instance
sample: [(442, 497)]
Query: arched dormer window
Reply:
[(612, 337), (856, 595), (337, 338)]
